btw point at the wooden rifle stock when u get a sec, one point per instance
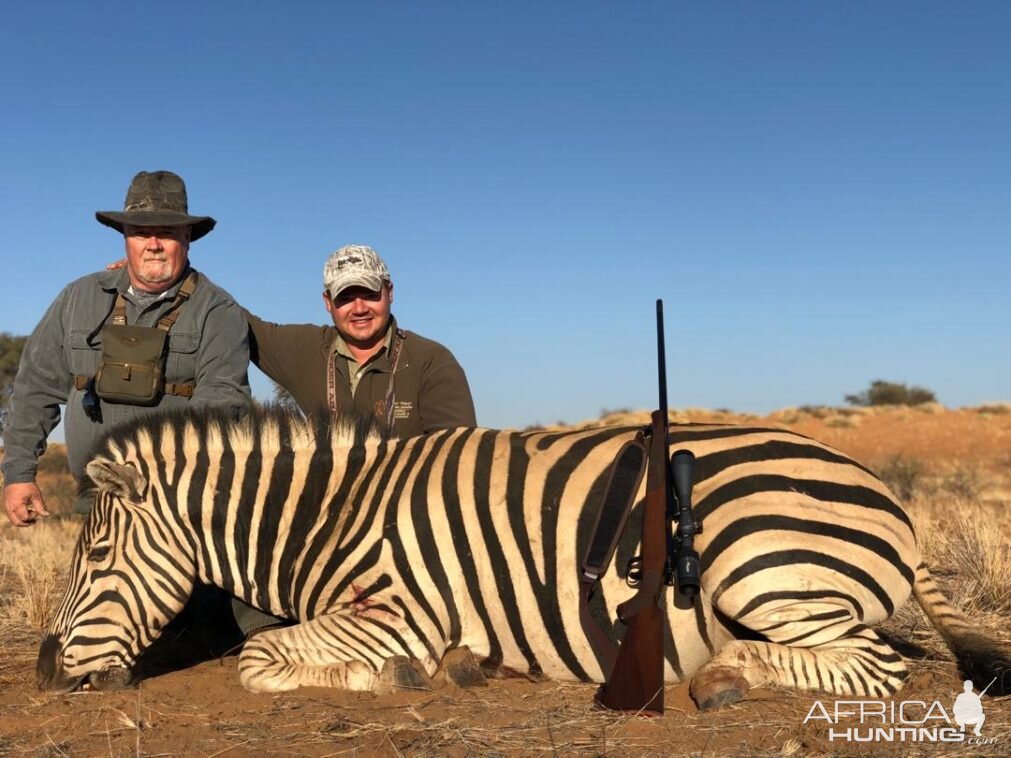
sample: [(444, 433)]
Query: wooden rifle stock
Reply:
[(637, 679)]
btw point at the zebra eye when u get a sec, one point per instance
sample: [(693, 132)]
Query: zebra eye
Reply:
[(98, 553)]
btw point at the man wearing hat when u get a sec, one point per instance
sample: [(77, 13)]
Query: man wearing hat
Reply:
[(412, 384), (118, 344)]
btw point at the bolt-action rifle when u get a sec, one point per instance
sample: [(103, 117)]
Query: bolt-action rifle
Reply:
[(634, 671)]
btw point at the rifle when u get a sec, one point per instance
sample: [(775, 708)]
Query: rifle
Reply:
[(635, 672)]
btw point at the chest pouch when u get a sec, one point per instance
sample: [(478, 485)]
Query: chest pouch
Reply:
[(132, 369), (133, 357)]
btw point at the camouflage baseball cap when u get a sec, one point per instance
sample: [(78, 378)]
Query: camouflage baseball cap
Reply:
[(157, 198), (354, 266)]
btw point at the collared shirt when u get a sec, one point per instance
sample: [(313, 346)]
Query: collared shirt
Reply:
[(355, 370), (143, 299), (431, 390), (207, 347)]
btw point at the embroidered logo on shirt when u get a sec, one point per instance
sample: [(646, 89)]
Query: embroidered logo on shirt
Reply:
[(402, 409)]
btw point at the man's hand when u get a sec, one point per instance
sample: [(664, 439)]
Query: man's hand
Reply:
[(115, 265), (23, 503)]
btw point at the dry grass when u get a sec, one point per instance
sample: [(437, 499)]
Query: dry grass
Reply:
[(973, 546), (33, 565)]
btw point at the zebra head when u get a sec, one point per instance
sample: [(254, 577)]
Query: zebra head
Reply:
[(131, 574)]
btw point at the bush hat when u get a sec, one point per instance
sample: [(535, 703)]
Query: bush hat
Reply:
[(157, 198), (354, 266)]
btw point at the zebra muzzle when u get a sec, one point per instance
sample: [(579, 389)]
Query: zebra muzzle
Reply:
[(114, 678), (49, 674)]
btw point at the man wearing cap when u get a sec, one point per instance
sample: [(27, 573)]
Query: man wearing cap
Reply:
[(412, 384), (195, 338)]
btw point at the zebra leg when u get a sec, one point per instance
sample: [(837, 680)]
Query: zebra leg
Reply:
[(857, 663), (343, 650)]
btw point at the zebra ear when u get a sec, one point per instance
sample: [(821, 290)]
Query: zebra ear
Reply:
[(121, 479)]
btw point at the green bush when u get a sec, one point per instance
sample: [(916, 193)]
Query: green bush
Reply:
[(891, 393)]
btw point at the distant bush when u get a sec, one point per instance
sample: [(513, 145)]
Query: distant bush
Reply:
[(993, 409), (904, 476), (818, 411), (11, 348), (965, 482), (891, 393), (605, 412)]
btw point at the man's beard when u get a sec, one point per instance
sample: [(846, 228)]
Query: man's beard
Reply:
[(155, 271)]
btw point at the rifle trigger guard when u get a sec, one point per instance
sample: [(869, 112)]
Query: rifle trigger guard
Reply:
[(633, 574)]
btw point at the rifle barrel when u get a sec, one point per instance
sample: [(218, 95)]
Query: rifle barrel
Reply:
[(661, 356)]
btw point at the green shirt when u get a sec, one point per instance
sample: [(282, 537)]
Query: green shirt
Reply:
[(430, 388), (356, 371)]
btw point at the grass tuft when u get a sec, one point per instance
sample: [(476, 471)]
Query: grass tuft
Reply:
[(33, 567)]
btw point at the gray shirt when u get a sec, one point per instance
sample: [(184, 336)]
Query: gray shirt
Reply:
[(207, 346)]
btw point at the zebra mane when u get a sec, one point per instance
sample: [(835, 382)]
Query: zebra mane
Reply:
[(348, 428)]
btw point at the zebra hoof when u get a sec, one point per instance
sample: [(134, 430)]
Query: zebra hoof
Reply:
[(718, 687), (400, 674), (460, 668)]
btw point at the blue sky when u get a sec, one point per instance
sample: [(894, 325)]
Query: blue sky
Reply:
[(818, 191)]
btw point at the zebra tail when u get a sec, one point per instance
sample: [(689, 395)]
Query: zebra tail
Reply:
[(979, 657)]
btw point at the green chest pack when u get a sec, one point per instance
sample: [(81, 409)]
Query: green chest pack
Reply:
[(133, 357)]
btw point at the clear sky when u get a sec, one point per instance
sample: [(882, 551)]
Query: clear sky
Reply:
[(820, 192)]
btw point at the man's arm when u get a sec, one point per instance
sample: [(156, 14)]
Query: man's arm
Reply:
[(42, 383), (445, 398), (223, 359), (280, 350)]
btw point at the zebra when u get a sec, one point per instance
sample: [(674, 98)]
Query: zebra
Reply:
[(392, 555)]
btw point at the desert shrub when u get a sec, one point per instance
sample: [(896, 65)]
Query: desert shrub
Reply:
[(855, 412), (993, 409), (11, 347), (964, 482), (891, 393), (840, 422), (605, 412), (788, 416), (904, 476), (818, 411)]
